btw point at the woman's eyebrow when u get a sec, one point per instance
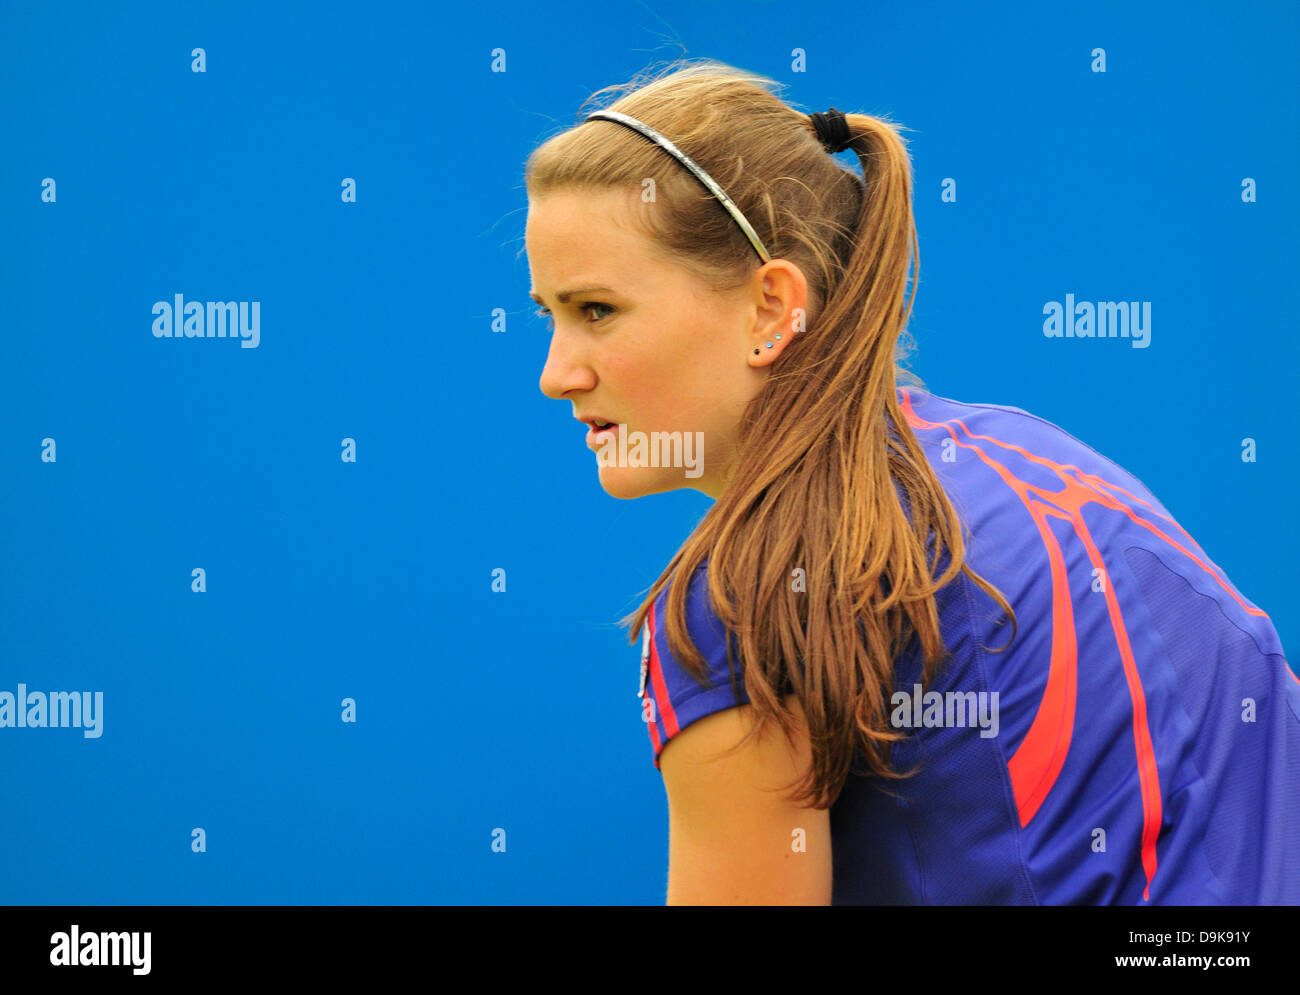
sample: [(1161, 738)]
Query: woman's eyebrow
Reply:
[(564, 295)]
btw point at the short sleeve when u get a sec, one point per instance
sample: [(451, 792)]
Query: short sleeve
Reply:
[(671, 697)]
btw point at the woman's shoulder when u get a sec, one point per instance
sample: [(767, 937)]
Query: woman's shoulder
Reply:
[(1001, 432)]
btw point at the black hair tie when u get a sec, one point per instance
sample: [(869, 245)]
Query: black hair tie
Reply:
[(833, 130)]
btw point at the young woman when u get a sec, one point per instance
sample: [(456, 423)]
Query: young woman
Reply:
[(918, 650)]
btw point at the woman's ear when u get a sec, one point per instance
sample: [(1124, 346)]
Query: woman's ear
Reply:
[(780, 295)]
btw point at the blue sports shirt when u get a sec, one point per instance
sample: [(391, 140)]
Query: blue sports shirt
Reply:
[(1138, 743)]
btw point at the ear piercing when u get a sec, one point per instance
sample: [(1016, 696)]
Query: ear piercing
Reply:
[(769, 344)]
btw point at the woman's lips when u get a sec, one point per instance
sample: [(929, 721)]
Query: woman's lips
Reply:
[(597, 437)]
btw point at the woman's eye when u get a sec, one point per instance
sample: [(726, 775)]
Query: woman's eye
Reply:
[(544, 312)]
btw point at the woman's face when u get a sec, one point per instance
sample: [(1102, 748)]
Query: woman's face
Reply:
[(641, 342)]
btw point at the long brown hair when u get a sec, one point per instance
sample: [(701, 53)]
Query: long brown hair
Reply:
[(824, 443)]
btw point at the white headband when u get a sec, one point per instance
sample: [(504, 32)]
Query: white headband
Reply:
[(690, 164)]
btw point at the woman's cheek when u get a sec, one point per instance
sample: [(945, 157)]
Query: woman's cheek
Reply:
[(640, 386)]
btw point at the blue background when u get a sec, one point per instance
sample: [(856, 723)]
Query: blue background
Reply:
[(371, 580)]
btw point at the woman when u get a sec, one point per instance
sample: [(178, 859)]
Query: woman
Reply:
[(999, 669)]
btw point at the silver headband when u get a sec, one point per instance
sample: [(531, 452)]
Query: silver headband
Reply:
[(690, 164)]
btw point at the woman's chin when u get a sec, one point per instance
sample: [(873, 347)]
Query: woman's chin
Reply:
[(627, 483)]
